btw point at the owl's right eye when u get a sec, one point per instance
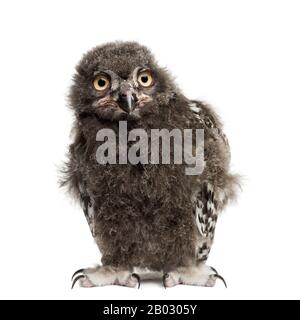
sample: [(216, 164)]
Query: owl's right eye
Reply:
[(101, 83)]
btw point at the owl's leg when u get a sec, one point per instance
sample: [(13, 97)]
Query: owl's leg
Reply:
[(199, 275), (103, 276)]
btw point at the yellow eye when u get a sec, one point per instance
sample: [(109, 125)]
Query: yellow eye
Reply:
[(145, 79), (101, 83)]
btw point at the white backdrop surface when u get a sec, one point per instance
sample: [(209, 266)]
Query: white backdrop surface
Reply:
[(241, 56)]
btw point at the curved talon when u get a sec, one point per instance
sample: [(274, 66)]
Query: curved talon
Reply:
[(221, 278), (134, 275), (76, 279), (165, 276), (76, 272), (214, 270)]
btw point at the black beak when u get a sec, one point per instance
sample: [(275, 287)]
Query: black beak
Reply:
[(127, 101)]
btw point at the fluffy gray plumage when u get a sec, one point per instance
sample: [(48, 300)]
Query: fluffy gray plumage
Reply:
[(146, 219)]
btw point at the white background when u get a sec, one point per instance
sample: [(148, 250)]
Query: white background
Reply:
[(241, 56)]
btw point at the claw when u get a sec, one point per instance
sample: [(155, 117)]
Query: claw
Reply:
[(76, 279), (221, 278), (165, 276), (134, 275), (76, 272), (214, 270)]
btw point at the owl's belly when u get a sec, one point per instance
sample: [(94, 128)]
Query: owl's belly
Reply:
[(149, 223), (157, 242)]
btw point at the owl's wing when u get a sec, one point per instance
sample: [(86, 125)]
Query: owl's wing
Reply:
[(210, 122), (215, 183), (72, 179), (88, 207), (206, 215)]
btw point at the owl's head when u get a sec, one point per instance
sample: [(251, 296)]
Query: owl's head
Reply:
[(120, 81)]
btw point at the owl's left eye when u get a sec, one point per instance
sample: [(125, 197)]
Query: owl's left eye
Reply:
[(101, 83), (145, 79)]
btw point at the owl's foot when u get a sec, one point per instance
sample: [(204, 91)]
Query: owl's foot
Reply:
[(201, 275), (103, 276)]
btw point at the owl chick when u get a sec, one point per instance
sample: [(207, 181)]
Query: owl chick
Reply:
[(149, 220)]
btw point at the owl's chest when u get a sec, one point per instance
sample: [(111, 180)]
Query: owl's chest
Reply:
[(141, 180), (137, 164)]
